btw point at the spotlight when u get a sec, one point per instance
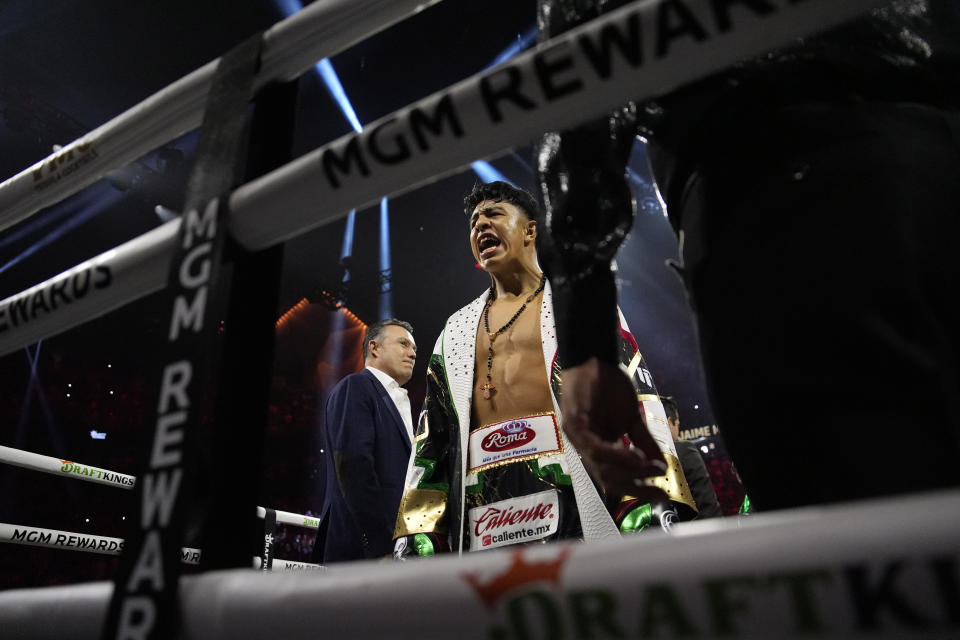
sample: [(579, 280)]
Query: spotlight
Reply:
[(326, 71), (165, 215), (386, 273), (523, 42), (384, 280), (488, 173)]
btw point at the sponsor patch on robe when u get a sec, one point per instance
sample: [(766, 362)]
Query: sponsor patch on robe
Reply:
[(514, 521), (513, 440)]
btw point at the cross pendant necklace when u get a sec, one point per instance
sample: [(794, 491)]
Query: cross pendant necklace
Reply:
[(487, 386)]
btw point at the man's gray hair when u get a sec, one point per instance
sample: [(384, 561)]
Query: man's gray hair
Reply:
[(376, 331)]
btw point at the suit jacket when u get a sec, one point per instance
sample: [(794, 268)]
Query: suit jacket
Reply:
[(698, 478), (369, 450)]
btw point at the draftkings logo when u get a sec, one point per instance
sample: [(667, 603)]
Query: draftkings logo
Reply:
[(527, 593), (897, 597), (63, 163), (99, 474)]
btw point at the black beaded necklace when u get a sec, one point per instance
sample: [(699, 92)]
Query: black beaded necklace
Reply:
[(487, 387)]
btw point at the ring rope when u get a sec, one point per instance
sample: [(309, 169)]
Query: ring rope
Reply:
[(865, 569), (511, 103), (439, 134), (287, 564), (74, 541), (291, 47), (68, 468), (79, 471), (290, 518)]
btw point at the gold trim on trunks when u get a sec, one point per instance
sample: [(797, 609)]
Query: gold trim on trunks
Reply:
[(673, 483), (425, 423), (531, 456), (422, 511), (647, 397)]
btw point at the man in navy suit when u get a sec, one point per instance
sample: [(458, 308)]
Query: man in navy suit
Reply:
[(369, 432)]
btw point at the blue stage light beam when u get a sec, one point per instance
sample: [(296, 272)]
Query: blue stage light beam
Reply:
[(326, 72), (165, 215), (10, 482), (32, 383), (386, 287), (485, 170), (94, 201), (38, 222), (347, 250), (482, 168), (86, 198), (288, 7), (26, 405), (522, 161), (335, 356), (488, 173), (330, 78), (33, 359), (522, 43), (35, 388)]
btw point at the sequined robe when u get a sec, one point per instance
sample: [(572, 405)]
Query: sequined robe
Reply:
[(438, 488)]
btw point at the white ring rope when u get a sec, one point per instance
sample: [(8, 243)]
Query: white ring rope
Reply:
[(78, 471), (293, 519), (290, 47), (73, 541), (427, 140), (288, 564), (92, 543), (874, 569), (555, 86), (68, 468), (94, 287)]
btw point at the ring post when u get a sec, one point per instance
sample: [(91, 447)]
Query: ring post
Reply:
[(269, 530), (145, 601), (244, 377)]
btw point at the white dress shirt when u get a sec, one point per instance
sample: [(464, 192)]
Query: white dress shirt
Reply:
[(399, 396)]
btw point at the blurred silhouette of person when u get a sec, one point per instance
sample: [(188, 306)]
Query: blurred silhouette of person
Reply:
[(694, 469), (815, 192)]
